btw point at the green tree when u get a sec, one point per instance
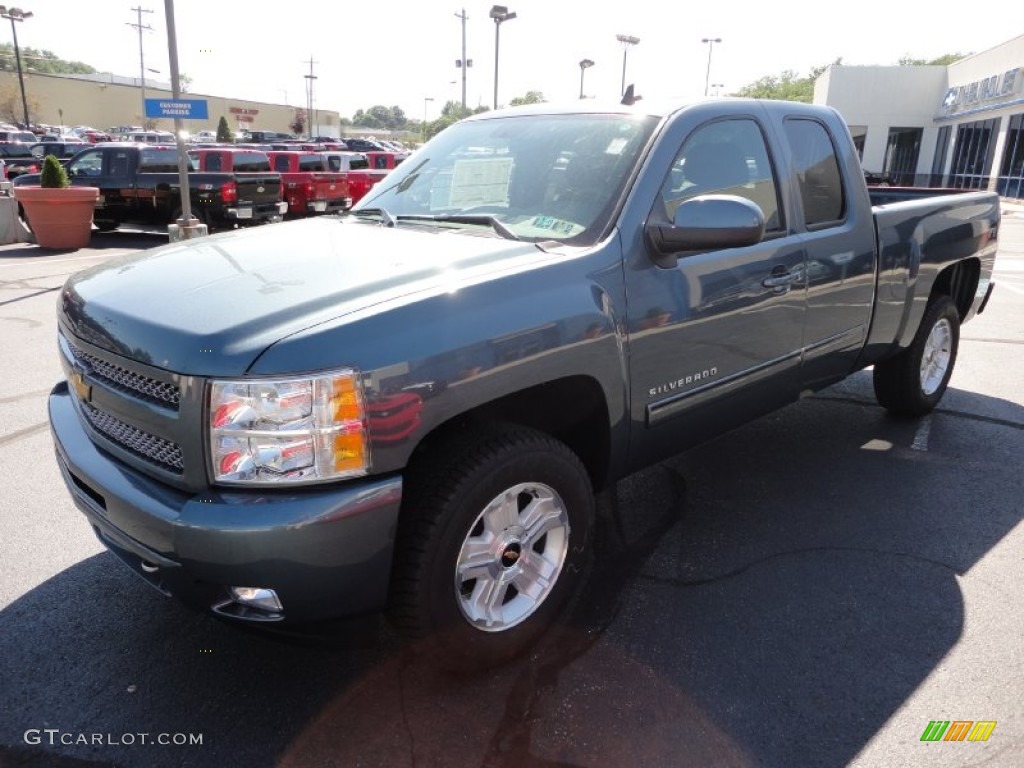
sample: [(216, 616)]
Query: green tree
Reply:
[(223, 131), (41, 61), (531, 97), (298, 123), (786, 86), (945, 60)]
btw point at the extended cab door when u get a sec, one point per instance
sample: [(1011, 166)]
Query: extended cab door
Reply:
[(839, 238), (715, 337)]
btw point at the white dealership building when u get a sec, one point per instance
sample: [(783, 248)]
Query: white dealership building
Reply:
[(960, 125)]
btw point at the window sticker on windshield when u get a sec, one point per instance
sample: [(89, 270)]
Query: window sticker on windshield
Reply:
[(552, 225), (480, 182), (615, 146)]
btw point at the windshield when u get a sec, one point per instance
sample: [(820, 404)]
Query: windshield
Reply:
[(544, 177)]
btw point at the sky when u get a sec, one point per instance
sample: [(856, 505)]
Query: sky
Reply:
[(403, 53)]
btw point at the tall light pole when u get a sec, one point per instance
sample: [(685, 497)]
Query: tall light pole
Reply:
[(16, 14), (425, 100), (585, 64), (499, 13), (139, 10), (309, 98), (626, 40), (711, 46), (463, 63)]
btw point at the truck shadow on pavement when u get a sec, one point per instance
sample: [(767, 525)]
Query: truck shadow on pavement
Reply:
[(772, 598)]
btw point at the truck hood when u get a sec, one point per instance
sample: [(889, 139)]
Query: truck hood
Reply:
[(209, 306)]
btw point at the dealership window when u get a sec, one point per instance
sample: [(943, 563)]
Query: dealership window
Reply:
[(972, 154), (939, 158), (901, 155), (1011, 170)]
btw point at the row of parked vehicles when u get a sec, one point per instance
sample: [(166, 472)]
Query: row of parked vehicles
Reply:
[(230, 185)]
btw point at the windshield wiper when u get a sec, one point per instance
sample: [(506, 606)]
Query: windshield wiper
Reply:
[(386, 217), (464, 218)]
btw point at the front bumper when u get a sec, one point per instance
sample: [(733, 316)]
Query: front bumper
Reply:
[(326, 552)]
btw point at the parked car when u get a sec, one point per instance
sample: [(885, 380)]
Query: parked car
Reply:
[(228, 158), (62, 150), (601, 287), (139, 184), (310, 185), (358, 173), (25, 137), (18, 159), (385, 161)]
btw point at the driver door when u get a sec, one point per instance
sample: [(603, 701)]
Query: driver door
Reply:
[(107, 169)]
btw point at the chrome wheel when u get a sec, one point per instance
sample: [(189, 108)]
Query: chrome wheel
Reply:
[(512, 556), (938, 351)]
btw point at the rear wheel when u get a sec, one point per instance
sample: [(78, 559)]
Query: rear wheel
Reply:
[(105, 225), (493, 543), (913, 382)]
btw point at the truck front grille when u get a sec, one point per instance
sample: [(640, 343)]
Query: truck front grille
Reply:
[(160, 452), (159, 392)]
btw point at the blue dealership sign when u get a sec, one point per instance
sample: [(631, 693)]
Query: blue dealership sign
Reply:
[(183, 109)]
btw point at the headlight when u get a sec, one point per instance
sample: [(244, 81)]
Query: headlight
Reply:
[(295, 430)]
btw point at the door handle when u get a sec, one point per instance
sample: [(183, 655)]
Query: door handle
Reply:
[(781, 279)]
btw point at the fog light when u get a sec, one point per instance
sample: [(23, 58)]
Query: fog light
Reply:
[(257, 597)]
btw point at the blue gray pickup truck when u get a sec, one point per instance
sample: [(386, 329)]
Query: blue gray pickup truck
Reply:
[(409, 408)]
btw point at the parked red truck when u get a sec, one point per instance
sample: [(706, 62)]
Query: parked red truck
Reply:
[(310, 186), (356, 167)]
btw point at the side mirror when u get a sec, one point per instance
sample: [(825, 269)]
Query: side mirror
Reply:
[(704, 223)]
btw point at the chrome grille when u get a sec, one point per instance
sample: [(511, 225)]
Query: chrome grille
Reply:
[(161, 452), (147, 388)]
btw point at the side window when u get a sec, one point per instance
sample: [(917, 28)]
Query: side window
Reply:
[(727, 157), (281, 163), (213, 161), (86, 164), (817, 172)]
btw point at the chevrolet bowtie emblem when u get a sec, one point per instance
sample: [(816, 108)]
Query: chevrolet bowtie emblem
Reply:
[(82, 388)]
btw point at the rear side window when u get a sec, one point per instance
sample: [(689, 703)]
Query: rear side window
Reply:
[(251, 162), (162, 161), (358, 163), (281, 163), (817, 172), (311, 163)]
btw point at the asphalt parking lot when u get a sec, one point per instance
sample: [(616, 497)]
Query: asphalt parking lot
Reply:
[(810, 590)]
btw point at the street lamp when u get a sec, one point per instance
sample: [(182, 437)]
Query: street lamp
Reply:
[(711, 46), (499, 13), (425, 100), (718, 88), (16, 14), (585, 64), (626, 40), (309, 101)]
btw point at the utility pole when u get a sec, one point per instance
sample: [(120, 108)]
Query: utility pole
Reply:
[(463, 63), (309, 98), (139, 10)]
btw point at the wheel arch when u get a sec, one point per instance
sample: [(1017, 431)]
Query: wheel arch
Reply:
[(572, 409), (959, 281)]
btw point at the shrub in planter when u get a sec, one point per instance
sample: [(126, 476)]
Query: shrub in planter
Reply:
[(60, 215)]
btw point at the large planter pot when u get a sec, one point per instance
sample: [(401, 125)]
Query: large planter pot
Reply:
[(59, 218)]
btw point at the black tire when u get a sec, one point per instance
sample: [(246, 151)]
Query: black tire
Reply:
[(913, 382), (484, 617), (106, 225)]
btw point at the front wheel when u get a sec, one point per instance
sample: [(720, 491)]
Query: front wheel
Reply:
[(493, 543), (913, 382)]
